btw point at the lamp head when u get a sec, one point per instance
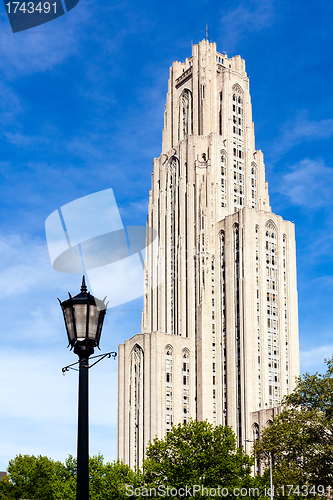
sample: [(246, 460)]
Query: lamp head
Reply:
[(84, 316)]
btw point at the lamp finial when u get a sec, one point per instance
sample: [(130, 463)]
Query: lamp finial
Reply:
[(83, 286)]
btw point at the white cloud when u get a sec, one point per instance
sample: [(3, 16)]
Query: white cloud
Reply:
[(43, 47), (33, 51), (35, 383), (29, 290), (300, 129), (310, 184), (246, 17), (25, 265), (135, 209), (10, 107), (313, 360), (39, 410)]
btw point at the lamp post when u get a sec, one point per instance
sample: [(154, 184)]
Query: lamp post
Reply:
[(84, 316), (270, 467)]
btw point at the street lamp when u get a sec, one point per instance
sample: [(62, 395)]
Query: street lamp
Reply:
[(84, 316), (270, 467)]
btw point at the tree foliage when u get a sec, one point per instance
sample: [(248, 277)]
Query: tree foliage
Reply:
[(300, 440), (108, 481), (39, 478), (301, 437), (31, 477), (197, 453), (314, 392)]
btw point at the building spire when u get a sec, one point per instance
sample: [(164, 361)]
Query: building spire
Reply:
[(207, 33)]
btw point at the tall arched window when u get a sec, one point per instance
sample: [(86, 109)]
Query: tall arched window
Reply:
[(237, 329), (185, 114), (273, 343), (136, 401), (238, 147), (171, 203), (168, 387), (213, 340), (223, 178), (253, 185), (255, 436), (223, 325), (258, 314), (220, 113), (286, 336), (237, 111), (186, 384), (255, 431)]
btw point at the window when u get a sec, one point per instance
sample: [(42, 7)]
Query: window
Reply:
[(255, 434), (238, 148), (253, 185), (136, 395), (272, 299), (168, 387), (223, 312), (185, 114), (237, 314), (186, 381)]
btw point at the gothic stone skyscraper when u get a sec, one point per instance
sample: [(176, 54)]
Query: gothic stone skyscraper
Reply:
[(219, 337)]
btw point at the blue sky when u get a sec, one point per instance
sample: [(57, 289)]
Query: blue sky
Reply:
[(81, 110)]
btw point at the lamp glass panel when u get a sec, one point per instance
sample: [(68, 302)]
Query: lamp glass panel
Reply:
[(93, 322), (99, 331), (70, 323), (81, 320)]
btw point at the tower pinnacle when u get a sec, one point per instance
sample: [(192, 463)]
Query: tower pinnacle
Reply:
[(207, 33)]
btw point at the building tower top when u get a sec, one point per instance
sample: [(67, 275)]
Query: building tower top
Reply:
[(197, 87)]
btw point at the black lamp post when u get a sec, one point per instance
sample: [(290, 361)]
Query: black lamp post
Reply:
[(84, 316)]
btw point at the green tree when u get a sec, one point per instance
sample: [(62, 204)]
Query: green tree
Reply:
[(39, 478), (31, 477), (197, 453), (301, 437), (314, 392), (108, 481)]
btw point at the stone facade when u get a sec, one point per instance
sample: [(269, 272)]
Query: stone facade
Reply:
[(219, 336)]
